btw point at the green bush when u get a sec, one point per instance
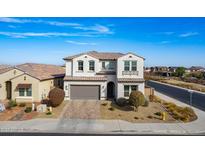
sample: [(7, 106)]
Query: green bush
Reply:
[(122, 102), (136, 99), (12, 103), (28, 109), (56, 96), (49, 113)]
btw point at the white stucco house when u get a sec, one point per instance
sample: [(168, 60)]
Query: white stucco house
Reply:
[(99, 76)]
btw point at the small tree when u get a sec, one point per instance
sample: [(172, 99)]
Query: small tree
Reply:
[(180, 71), (56, 96), (136, 99)]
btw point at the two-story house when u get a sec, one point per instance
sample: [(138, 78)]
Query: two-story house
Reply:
[(100, 76)]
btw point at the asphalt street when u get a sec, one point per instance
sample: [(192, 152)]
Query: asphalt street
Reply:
[(183, 95)]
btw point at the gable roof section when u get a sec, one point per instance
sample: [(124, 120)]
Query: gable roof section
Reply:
[(98, 55), (133, 54), (38, 71), (4, 70), (102, 55), (42, 71)]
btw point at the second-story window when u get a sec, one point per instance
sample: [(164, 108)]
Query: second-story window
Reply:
[(92, 65), (134, 65), (111, 65), (126, 65), (80, 65), (103, 65)]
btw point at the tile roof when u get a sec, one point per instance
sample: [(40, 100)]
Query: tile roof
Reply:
[(130, 80), (98, 55), (4, 66), (42, 71), (78, 78), (3, 70)]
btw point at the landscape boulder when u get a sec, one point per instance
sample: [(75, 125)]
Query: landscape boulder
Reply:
[(42, 108)]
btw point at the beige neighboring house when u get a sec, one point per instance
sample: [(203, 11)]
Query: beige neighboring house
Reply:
[(29, 82)]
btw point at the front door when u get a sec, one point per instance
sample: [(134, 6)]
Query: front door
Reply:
[(8, 89), (110, 90)]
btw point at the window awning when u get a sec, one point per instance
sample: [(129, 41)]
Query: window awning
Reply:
[(23, 86)]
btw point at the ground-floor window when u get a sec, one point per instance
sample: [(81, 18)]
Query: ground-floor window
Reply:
[(128, 89), (25, 92)]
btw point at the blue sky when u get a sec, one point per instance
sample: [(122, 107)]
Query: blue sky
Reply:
[(162, 41)]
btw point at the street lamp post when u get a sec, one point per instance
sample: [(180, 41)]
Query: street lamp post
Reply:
[(190, 97)]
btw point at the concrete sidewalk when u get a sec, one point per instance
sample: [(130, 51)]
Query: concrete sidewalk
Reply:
[(82, 126)]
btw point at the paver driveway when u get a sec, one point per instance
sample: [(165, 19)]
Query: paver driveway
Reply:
[(81, 109)]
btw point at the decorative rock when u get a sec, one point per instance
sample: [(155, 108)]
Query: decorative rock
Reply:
[(42, 108), (2, 107)]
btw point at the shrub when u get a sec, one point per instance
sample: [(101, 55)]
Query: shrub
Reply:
[(56, 96), (136, 99), (122, 101), (49, 113), (111, 109), (146, 103), (136, 118), (28, 109), (150, 117), (22, 105), (12, 103), (184, 114), (158, 113)]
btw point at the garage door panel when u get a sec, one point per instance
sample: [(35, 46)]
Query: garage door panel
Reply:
[(85, 92)]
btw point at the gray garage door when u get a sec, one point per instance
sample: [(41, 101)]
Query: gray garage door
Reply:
[(85, 92)]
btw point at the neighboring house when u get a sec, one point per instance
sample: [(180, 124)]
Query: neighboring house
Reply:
[(29, 82), (4, 66), (100, 76), (197, 69), (147, 70), (172, 69)]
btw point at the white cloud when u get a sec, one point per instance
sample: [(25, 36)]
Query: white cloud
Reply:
[(55, 23), (80, 43), (12, 26), (87, 31), (12, 20), (97, 28), (33, 34), (188, 34)]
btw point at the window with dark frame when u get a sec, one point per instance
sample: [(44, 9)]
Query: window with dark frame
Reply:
[(103, 65), (126, 91), (80, 65), (111, 65), (134, 65), (28, 92), (25, 92), (92, 65), (134, 88), (21, 91), (126, 65)]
